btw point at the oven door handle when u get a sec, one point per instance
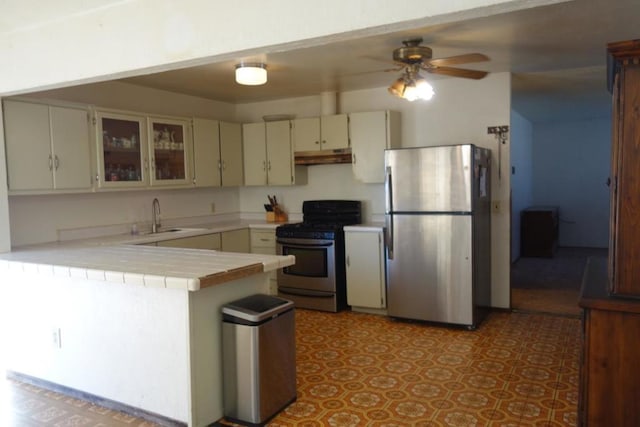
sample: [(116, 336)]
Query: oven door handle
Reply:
[(304, 245), (305, 293)]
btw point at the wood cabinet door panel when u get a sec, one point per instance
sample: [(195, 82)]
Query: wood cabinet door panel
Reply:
[(231, 154), (254, 153), (206, 152), (279, 153), (71, 150), (626, 226)]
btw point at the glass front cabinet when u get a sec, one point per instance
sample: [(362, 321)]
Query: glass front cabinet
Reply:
[(139, 151), (170, 147)]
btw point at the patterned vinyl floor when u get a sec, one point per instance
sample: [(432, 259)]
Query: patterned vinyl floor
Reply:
[(516, 369)]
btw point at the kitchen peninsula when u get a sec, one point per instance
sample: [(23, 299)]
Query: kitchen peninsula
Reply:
[(137, 325)]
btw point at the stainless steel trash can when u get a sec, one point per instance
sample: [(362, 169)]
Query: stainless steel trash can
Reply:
[(259, 358)]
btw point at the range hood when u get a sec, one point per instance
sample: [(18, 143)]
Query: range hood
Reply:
[(324, 157)]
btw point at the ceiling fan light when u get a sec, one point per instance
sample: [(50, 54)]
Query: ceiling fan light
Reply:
[(397, 88), (424, 90), (251, 74)]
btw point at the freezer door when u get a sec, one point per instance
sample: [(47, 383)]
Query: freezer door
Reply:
[(430, 276), (430, 179)]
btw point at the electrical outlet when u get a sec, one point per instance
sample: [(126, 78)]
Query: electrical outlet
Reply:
[(56, 338), (213, 207), (496, 207)]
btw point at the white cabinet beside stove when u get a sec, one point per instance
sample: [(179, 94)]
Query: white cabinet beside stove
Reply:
[(263, 241), (365, 262)]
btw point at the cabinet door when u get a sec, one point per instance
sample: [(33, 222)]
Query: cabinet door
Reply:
[(71, 152), (254, 153), (626, 186), (236, 241), (365, 269), (334, 132), (206, 153), (263, 242), (206, 241), (28, 142), (305, 134), (371, 133), (170, 152), (231, 154), (122, 150), (279, 153)]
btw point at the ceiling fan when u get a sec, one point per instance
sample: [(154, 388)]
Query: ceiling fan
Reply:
[(413, 58)]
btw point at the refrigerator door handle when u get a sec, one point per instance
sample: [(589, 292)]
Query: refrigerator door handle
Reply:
[(388, 218)]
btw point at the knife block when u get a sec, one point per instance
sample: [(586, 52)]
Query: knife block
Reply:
[(277, 216)]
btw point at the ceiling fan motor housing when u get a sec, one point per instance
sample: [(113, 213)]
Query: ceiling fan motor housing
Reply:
[(412, 52)]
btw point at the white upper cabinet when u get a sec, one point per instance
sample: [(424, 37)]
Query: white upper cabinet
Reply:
[(48, 147), (268, 154), (372, 133), (206, 153), (254, 144), (123, 156), (321, 133), (231, 161), (135, 150), (279, 153), (217, 148), (170, 152)]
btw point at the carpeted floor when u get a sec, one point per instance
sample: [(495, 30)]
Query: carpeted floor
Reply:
[(550, 285)]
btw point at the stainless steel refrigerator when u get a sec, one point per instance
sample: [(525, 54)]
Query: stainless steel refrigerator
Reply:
[(438, 231)]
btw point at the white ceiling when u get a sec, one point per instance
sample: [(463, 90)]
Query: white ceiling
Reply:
[(557, 55)]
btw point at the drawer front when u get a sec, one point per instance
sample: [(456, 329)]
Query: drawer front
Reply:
[(263, 239)]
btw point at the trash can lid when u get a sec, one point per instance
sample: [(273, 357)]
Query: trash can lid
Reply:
[(257, 307)]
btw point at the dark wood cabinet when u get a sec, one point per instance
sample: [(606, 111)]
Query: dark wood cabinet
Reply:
[(539, 231), (610, 297), (624, 244), (610, 371)]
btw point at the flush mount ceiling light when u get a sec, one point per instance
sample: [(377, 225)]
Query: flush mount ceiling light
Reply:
[(251, 74), (411, 86)]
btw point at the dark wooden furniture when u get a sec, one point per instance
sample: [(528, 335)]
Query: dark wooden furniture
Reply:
[(539, 231), (624, 244), (610, 297), (610, 371)]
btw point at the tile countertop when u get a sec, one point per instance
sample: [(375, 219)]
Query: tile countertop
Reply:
[(121, 259)]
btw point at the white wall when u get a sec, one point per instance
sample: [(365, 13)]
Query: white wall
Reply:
[(38, 219), (460, 112), (571, 167), (522, 179)]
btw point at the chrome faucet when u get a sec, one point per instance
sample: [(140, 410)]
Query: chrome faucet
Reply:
[(155, 215)]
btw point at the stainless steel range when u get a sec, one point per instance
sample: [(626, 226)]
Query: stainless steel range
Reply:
[(318, 278)]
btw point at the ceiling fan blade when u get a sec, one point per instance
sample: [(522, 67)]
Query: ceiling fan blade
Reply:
[(457, 72), (455, 60)]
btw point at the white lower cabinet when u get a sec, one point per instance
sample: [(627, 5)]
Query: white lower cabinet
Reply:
[(235, 241), (205, 241), (227, 241), (263, 241), (365, 261)]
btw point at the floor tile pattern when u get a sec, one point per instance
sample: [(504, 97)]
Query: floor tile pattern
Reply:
[(355, 369), (516, 369)]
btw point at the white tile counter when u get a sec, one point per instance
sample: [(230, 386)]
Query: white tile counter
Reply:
[(150, 266)]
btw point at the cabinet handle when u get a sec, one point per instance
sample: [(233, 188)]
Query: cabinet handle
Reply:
[(264, 165), (348, 261), (219, 165), (56, 162), (224, 165), (317, 142), (50, 162), (269, 165), (264, 240), (324, 142), (354, 158)]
